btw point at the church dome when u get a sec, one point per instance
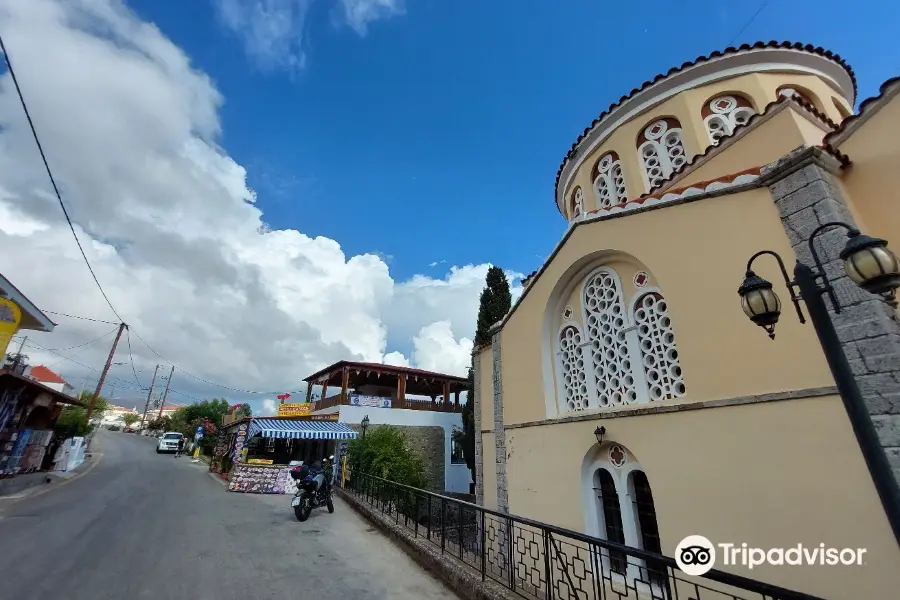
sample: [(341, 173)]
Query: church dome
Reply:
[(655, 130)]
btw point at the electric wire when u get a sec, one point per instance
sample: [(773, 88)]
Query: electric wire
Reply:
[(749, 21), (62, 205), (50, 312)]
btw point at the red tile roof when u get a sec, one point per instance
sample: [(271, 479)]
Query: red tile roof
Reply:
[(701, 59), (383, 368), (45, 375)]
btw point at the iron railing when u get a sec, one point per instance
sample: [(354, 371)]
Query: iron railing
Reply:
[(543, 562)]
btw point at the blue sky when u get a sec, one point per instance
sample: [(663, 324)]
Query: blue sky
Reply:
[(437, 135)]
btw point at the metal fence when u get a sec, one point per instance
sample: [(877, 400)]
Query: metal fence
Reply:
[(542, 562)]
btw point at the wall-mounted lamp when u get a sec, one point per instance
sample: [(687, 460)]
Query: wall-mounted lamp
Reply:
[(599, 432), (364, 425)]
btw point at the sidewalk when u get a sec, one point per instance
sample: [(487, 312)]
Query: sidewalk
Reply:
[(24, 485)]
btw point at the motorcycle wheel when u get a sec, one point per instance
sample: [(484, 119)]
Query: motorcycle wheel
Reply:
[(302, 511), (330, 504)]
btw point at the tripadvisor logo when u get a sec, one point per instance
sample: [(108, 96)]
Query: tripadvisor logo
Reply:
[(696, 555)]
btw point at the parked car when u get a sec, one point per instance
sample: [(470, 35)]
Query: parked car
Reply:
[(168, 442), (114, 428), (129, 430)]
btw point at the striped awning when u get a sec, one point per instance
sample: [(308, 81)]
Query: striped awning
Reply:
[(303, 430)]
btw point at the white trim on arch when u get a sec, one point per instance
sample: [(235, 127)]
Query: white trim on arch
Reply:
[(595, 525)]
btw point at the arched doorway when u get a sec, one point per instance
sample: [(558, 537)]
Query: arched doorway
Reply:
[(619, 507)]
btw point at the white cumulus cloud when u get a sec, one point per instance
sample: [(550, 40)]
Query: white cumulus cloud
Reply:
[(131, 130), (274, 32)]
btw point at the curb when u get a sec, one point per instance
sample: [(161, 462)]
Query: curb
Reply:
[(463, 579), (53, 486)]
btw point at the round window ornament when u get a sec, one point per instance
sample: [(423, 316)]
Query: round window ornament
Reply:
[(723, 104), (567, 313), (656, 130), (641, 279), (617, 456)]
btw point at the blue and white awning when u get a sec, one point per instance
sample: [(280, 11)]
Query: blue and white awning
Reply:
[(303, 430)]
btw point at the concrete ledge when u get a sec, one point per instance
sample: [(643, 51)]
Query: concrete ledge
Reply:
[(462, 579)]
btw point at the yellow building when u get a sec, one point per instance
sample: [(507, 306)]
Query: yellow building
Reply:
[(634, 324)]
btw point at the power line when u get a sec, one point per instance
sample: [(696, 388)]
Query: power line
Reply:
[(39, 347), (62, 205), (93, 341), (131, 356), (50, 312), (206, 381), (749, 21)]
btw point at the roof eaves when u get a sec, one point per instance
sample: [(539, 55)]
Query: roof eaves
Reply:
[(867, 108)]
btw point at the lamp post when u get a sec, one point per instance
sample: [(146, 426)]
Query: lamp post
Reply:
[(364, 424), (869, 264)]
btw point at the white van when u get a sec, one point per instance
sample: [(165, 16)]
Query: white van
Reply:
[(168, 442)]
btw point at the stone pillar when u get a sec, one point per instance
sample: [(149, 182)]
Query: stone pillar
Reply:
[(499, 432), (476, 401), (806, 194)]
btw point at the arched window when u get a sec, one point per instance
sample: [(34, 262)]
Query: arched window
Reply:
[(572, 371), (609, 182), (605, 322), (621, 354), (661, 147), (723, 114), (610, 517), (577, 203), (790, 91), (659, 354), (842, 110), (647, 528)]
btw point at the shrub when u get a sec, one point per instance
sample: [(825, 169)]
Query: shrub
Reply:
[(385, 453)]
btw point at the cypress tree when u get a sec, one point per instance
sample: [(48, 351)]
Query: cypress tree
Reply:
[(495, 302)]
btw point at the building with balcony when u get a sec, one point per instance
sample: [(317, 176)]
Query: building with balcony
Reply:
[(424, 403), (633, 324)]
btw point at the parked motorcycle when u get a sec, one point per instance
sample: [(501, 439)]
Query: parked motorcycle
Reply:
[(313, 488)]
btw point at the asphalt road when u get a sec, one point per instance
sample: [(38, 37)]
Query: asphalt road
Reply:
[(139, 525)]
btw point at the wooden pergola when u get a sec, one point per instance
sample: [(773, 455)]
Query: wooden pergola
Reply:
[(346, 376)]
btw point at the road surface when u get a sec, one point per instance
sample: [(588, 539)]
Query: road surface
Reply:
[(141, 525)]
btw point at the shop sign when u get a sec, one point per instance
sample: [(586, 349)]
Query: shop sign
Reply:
[(240, 439), (260, 461), (259, 480), (371, 401), (294, 410), (10, 317)]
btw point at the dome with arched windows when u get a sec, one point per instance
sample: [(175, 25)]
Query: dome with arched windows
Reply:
[(649, 138)]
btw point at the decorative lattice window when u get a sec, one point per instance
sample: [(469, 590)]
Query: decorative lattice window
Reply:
[(572, 368), (605, 323), (577, 203), (658, 351), (609, 181), (723, 114), (661, 147)]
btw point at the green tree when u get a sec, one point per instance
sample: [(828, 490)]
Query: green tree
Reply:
[(495, 302), (72, 419), (243, 410), (385, 452), (160, 424), (130, 419)]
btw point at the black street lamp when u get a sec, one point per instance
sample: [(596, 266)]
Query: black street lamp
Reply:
[(599, 433), (364, 424), (874, 268)]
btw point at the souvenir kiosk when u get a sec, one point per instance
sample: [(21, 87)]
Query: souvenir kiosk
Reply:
[(262, 449)]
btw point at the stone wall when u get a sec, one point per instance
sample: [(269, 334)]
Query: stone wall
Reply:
[(499, 431), (476, 411), (807, 196)]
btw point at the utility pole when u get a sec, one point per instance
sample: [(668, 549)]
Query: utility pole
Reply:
[(112, 352), (166, 393), (149, 396)]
